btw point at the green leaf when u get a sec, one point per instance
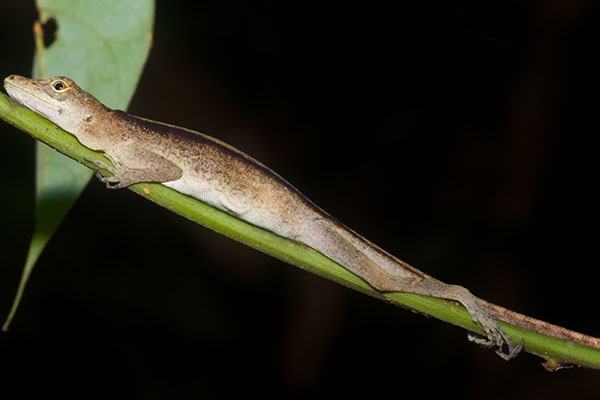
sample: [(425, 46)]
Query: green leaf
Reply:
[(103, 46)]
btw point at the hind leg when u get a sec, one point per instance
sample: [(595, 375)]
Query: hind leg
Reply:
[(495, 336)]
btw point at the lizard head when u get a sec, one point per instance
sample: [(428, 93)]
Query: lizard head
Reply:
[(58, 99)]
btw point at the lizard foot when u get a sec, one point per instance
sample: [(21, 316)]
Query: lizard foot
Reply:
[(494, 335), (111, 182), (498, 339)]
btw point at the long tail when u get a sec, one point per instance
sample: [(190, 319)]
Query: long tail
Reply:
[(357, 254), (385, 272), (523, 321)]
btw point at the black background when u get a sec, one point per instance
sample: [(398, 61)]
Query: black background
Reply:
[(459, 136)]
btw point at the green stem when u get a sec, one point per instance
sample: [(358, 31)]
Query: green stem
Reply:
[(556, 351)]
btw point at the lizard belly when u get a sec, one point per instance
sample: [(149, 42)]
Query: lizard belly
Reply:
[(234, 202), (199, 190)]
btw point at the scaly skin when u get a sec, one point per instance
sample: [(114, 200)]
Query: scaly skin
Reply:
[(220, 175)]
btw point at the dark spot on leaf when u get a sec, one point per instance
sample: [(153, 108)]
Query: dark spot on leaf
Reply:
[(50, 28)]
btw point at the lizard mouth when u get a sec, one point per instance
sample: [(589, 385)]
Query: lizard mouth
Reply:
[(30, 99)]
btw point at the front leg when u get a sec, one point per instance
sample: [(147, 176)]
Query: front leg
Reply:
[(146, 166)]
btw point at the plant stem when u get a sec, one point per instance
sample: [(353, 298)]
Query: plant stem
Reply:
[(558, 346)]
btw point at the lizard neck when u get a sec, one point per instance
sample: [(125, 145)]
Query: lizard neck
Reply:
[(99, 128)]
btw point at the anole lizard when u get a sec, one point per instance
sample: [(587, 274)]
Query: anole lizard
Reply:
[(214, 172)]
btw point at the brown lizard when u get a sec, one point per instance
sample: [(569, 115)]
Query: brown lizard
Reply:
[(214, 172)]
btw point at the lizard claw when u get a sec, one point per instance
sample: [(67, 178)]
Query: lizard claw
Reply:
[(111, 182), (494, 335), (513, 350), (499, 338)]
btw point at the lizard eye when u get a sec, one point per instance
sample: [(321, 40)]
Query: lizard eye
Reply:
[(59, 86)]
